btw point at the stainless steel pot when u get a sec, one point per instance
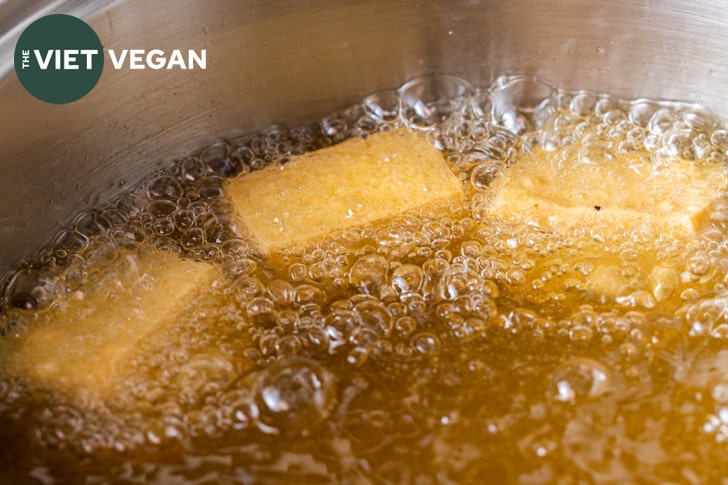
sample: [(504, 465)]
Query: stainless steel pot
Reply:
[(290, 61)]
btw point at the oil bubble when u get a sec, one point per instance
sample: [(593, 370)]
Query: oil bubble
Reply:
[(426, 344), (521, 103), (457, 281), (281, 291), (295, 395), (429, 101), (193, 238), (375, 316), (382, 106), (164, 187), (484, 174), (407, 278), (582, 103), (661, 121), (308, 294), (192, 169), (579, 379), (29, 289), (357, 356), (218, 161), (369, 273), (706, 316), (261, 311)]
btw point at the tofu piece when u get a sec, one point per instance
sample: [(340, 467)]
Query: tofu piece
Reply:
[(86, 346), (549, 189), (350, 184)]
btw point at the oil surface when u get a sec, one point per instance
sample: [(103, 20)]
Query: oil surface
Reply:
[(443, 346)]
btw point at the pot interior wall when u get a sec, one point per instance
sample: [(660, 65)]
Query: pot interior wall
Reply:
[(290, 61)]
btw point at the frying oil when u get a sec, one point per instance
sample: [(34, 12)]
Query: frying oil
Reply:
[(441, 346)]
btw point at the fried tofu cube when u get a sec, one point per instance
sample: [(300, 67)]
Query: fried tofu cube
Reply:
[(549, 189), (350, 184), (86, 346)]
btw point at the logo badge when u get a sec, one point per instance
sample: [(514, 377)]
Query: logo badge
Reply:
[(59, 58)]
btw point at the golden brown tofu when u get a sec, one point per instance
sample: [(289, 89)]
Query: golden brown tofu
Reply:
[(85, 346), (548, 189), (349, 184)]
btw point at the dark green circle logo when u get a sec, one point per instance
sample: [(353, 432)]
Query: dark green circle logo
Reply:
[(59, 58)]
